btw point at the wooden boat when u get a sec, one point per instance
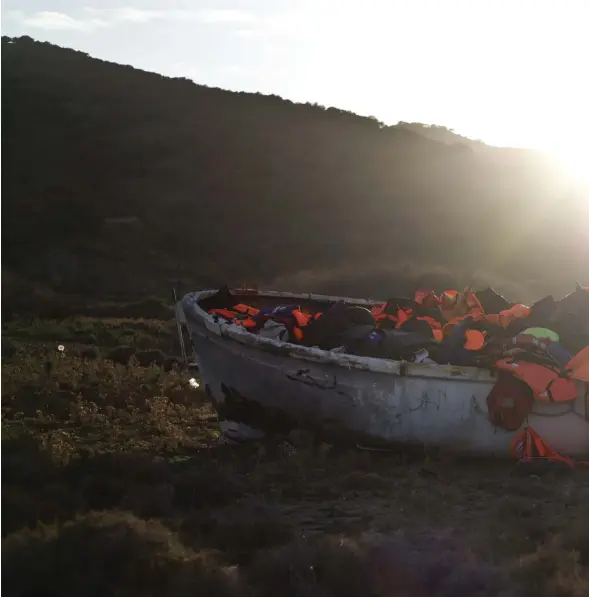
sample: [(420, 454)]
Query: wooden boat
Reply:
[(269, 384)]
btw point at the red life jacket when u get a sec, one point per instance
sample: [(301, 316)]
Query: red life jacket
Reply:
[(509, 402)]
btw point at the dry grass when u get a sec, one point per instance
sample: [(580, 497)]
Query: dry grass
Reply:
[(104, 332), (113, 484)]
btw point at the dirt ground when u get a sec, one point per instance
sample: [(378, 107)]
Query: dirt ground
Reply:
[(114, 483)]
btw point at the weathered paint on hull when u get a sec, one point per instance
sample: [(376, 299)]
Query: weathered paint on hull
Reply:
[(369, 400)]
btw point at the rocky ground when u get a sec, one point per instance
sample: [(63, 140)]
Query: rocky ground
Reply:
[(114, 483)]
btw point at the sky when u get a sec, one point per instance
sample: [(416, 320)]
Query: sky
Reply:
[(509, 72)]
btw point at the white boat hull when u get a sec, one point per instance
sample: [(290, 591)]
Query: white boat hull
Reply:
[(374, 401)]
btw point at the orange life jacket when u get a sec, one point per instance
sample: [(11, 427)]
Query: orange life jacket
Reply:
[(454, 304), (427, 298), (246, 309), (402, 316), (378, 311), (578, 366), (528, 445), (435, 325), (448, 326), (248, 323), (302, 319), (546, 384), (473, 339), (226, 313), (472, 302), (504, 318), (239, 315)]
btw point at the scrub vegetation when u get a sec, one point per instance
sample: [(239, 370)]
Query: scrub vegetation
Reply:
[(114, 481)]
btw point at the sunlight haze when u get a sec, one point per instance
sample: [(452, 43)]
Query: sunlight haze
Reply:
[(509, 73)]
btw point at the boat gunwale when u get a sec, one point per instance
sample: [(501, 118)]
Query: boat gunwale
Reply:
[(227, 330)]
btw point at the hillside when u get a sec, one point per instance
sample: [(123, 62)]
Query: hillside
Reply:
[(118, 181)]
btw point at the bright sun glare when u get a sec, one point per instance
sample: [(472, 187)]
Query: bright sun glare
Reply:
[(575, 161)]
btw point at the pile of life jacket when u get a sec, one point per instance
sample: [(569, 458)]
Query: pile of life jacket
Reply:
[(539, 350), (459, 328)]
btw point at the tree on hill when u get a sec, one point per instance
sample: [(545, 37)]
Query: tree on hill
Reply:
[(233, 186), (440, 133)]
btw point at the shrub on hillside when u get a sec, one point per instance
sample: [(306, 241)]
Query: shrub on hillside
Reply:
[(107, 553)]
